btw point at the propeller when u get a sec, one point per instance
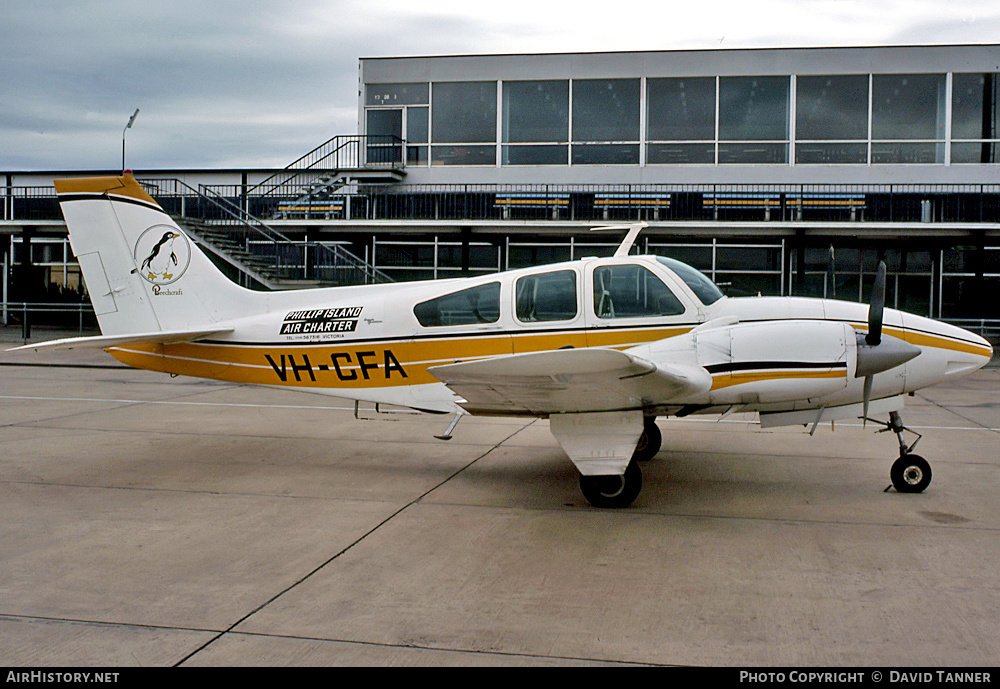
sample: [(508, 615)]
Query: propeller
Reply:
[(874, 336), (878, 352)]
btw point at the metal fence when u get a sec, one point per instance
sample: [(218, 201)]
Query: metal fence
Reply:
[(984, 327), (288, 197), (78, 317)]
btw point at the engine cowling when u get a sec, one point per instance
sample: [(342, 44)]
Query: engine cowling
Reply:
[(777, 361)]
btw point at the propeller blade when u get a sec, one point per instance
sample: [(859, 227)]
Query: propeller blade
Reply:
[(868, 398), (874, 336)]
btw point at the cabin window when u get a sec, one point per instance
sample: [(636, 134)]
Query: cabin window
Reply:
[(479, 304), (632, 291), (547, 297)]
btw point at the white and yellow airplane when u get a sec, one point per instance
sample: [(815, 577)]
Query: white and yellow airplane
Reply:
[(599, 346)]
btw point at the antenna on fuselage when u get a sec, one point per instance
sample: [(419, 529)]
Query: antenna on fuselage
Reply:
[(633, 231)]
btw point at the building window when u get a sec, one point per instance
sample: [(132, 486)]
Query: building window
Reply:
[(464, 114), (416, 134), (753, 119), (678, 112), (535, 120), (831, 119), (846, 119), (391, 95), (908, 118), (401, 107), (975, 103), (606, 121)]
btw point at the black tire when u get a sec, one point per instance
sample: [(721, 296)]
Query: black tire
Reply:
[(910, 474), (649, 441), (613, 491)]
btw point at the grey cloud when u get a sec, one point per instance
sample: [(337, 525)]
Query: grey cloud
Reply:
[(252, 83)]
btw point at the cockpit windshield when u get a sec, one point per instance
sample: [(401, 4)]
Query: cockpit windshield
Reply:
[(703, 288)]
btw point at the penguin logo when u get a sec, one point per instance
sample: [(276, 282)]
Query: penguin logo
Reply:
[(162, 254)]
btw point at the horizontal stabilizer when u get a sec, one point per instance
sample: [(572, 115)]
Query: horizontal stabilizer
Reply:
[(569, 381), (105, 341)]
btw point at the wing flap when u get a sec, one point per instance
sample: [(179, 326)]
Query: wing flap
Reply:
[(105, 341), (569, 381)]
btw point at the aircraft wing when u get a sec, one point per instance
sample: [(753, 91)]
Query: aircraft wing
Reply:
[(569, 381), (105, 341)]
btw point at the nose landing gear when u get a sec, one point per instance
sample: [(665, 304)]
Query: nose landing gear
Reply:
[(910, 473)]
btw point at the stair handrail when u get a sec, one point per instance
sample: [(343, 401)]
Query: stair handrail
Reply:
[(338, 253), (339, 143), (255, 225)]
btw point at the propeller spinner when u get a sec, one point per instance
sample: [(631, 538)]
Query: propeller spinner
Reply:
[(878, 352)]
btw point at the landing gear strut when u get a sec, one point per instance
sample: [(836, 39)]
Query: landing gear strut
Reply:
[(910, 473), (649, 441)]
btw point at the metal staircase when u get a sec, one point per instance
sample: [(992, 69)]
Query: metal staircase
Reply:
[(319, 175), (262, 256), (221, 244)]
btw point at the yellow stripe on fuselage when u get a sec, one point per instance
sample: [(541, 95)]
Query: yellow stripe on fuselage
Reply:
[(922, 339), (391, 363), (363, 364), (727, 380)]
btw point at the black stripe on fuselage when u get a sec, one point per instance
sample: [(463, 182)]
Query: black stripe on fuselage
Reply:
[(771, 365)]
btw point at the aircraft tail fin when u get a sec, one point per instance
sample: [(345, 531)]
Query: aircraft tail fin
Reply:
[(143, 273)]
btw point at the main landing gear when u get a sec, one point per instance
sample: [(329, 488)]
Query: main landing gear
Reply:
[(649, 441), (910, 473), (621, 491), (613, 491)]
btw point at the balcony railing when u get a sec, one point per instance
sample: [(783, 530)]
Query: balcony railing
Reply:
[(284, 200)]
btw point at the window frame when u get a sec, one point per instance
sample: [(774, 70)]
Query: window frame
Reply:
[(479, 323), (578, 285), (639, 266)]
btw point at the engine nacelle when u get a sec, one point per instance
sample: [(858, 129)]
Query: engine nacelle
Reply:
[(778, 361)]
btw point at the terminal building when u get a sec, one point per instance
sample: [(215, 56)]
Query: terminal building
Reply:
[(774, 171)]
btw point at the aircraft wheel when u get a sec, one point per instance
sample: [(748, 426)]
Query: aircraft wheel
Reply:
[(649, 441), (910, 474), (613, 491)]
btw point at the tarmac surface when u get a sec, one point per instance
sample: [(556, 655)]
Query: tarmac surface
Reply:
[(157, 521)]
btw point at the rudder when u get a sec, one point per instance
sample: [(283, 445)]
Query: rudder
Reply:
[(143, 272)]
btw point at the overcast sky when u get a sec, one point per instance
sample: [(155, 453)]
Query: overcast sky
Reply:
[(227, 83)]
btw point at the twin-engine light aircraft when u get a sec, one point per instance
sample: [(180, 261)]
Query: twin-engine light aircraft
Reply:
[(599, 346)]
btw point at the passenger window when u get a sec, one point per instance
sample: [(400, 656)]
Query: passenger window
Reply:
[(474, 305), (632, 291), (547, 297)]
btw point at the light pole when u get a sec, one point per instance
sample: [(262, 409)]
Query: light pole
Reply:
[(127, 127)]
